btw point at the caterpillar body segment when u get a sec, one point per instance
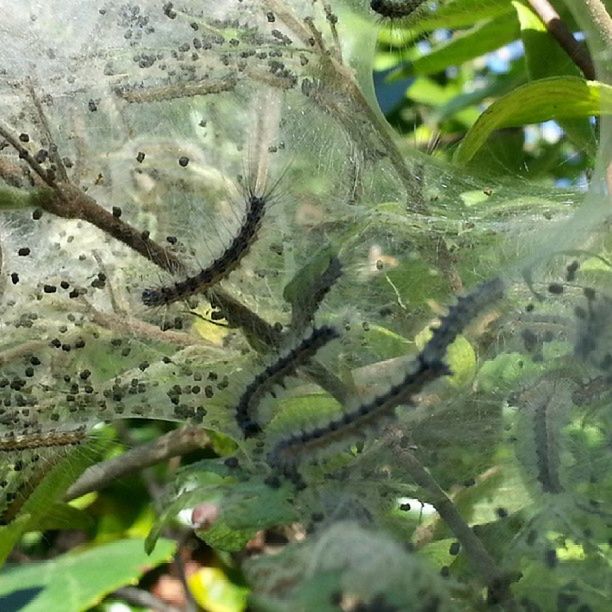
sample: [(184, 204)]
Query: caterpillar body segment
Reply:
[(427, 367), (395, 9), (459, 316), (287, 452), (276, 372), (222, 266)]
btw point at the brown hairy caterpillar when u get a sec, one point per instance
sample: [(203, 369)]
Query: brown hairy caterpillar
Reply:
[(427, 367), (395, 9), (49, 439), (275, 373), (221, 267)]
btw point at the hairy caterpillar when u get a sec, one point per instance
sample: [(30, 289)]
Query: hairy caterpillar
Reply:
[(221, 267), (321, 287), (395, 9), (459, 316), (49, 439), (544, 407), (592, 339), (547, 452), (275, 373), (427, 367), (25, 461), (287, 451)]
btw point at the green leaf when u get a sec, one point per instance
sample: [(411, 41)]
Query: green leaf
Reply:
[(457, 14), (461, 357), (245, 509), (426, 91), (11, 534), (482, 38), (552, 98), (64, 516), (255, 505), (79, 580), (497, 85), (504, 371), (222, 537), (213, 590), (41, 505), (545, 58), (307, 275)]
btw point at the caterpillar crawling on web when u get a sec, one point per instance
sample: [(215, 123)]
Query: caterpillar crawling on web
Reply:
[(427, 367), (222, 266), (275, 373)]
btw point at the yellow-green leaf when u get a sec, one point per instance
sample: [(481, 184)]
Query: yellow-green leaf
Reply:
[(552, 98), (212, 589)]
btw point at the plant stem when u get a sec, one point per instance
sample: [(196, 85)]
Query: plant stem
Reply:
[(600, 18), (496, 580), (558, 29), (142, 599), (172, 444)]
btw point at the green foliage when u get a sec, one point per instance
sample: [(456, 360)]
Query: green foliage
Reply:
[(452, 88), (551, 98), (490, 485), (80, 579)]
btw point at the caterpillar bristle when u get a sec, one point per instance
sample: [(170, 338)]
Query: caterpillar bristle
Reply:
[(460, 315), (288, 451), (428, 366), (275, 374), (395, 9), (222, 266)]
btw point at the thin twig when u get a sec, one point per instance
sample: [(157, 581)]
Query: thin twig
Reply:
[(53, 151), (129, 325), (477, 554), (143, 599), (190, 605), (558, 29), (26, 155), (175, 443)]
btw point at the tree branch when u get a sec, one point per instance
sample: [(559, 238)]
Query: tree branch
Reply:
[(175, 443), (496, 580), (558, 29)]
